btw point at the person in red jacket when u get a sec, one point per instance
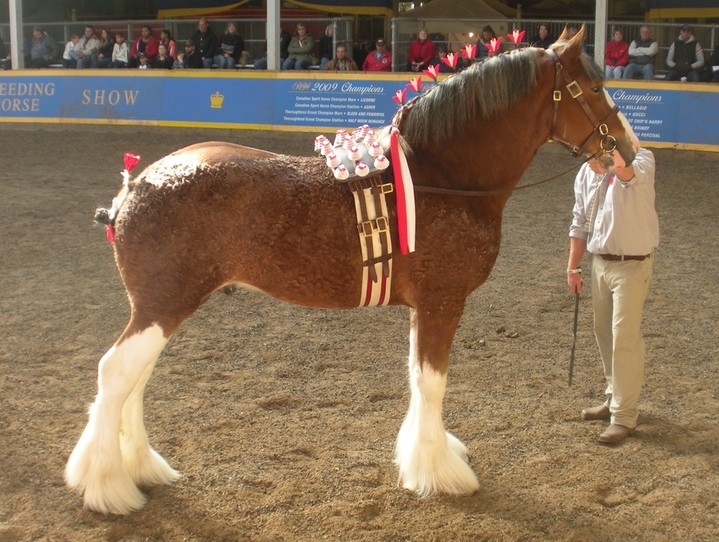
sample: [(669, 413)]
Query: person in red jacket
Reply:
[(147, 44), (379, 60), (421, 52), (616, 56)]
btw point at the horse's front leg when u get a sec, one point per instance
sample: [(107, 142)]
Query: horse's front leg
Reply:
[(96, 464), (431, 460)]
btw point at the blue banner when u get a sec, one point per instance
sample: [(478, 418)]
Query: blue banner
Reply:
[(663, 114), (336, 103)]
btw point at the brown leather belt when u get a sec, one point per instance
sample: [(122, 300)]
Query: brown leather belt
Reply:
[(616, 258)]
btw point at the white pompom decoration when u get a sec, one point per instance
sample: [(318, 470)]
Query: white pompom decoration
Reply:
[(381, 162), (362, 170), (333, 160), (375, 149), (341, 173), (354, 153), (318, 142)]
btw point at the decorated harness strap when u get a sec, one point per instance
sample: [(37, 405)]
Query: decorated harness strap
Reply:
[(358, 159)]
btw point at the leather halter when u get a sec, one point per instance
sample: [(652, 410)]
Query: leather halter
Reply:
[(608, 143)]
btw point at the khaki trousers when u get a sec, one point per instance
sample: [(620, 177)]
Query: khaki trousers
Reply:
[(619, 290)]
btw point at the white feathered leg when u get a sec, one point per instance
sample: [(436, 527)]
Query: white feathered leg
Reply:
[(145, 466), (430, 460), (96, 465)]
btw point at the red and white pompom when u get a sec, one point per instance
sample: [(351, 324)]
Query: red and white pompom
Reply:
[(375, 149), (333, 160), (341, 172), (348, 142), (362, 169), (340, 137), (354, 153), (327, 147), (318, 142), (381, 162)]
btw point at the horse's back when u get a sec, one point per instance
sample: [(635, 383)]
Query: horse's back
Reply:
[(213, 152)]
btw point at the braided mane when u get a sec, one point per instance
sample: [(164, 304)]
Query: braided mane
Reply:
[(484, 89)]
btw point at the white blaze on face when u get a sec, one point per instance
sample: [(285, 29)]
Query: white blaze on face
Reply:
[(625, 123)]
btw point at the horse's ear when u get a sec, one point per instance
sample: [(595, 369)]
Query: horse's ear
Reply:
[(580, 35), (575, 46), (564, 35)]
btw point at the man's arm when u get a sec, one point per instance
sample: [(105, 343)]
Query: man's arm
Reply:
[(577, 248)]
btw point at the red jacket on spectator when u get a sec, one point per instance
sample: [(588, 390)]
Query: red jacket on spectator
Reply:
[(374, 64), (421, 52), (617, 53), (150, 48)]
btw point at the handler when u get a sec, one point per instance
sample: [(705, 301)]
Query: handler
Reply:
[(615, 220)]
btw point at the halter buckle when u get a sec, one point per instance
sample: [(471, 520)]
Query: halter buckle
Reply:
[(574, 89), (608, 144), (557, 96), (603, 129)]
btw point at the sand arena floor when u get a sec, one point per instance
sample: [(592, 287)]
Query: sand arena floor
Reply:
[(282, 419)]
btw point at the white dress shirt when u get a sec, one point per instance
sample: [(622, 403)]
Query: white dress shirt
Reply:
[(615, 217)]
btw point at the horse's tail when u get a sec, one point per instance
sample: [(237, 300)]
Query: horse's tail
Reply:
[(102, 216)]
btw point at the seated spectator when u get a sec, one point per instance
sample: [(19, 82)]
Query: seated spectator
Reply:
[(421, 51), (179, 63), (711, 71), (482, 53), (642, 55), (341, 62), (120, 52), (543, 38), (324, 49), (166, 38), (285, 39), (163, 61), (103, 57), (616, 56), (205, 43), (88, 46), (442, 53), (685, 58), (143, 62), (43, 49), (145, 43), (69, 58), (379, 60), (230, 46), (192, 59), (4, 56), (300, 50)]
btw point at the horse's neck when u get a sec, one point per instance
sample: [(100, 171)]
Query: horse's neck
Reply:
[(490, 154)]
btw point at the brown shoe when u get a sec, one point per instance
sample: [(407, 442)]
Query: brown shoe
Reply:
[(614, 434), (600, 412)]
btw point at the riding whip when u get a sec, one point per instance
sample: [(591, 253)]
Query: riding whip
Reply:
[(574, 340)]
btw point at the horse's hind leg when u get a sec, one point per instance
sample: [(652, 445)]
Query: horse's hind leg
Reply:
[(431, 460), (145, 466), (96, 464)]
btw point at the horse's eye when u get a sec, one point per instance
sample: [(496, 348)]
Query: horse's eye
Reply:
[(597, 89)]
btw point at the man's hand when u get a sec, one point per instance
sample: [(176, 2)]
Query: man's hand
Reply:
[(575, 282)]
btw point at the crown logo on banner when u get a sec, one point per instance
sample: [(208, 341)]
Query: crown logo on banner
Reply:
[(216, 100)]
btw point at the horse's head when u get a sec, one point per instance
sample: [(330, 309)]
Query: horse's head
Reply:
[(585, 118)]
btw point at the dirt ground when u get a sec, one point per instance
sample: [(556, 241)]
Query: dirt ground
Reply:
[(282, 419)]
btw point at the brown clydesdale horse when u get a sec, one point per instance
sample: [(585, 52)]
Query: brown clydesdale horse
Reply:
[(217, 214)]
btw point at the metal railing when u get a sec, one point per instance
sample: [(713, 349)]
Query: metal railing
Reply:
[(253, 31), (454, 34)]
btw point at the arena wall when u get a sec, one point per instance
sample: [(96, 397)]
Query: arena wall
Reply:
[(663, 114)]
